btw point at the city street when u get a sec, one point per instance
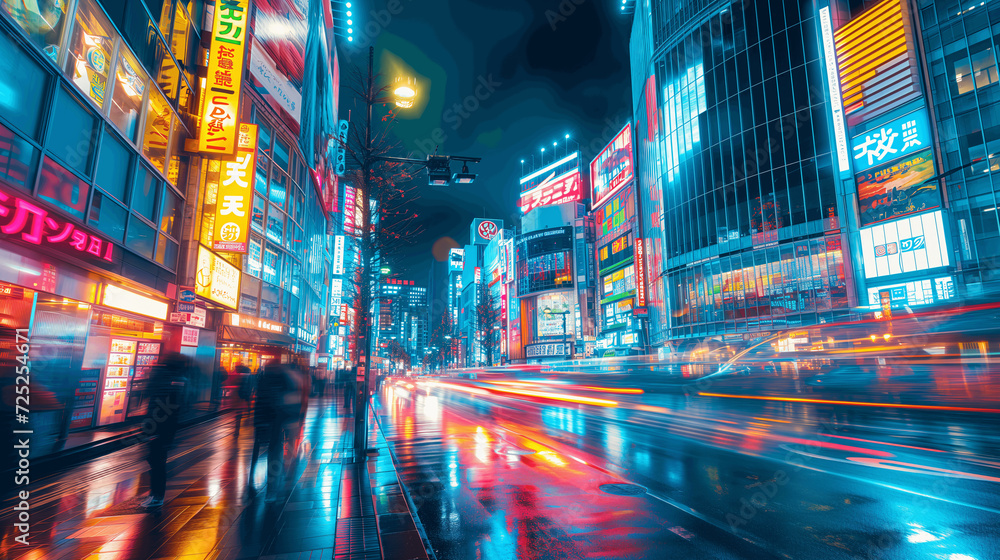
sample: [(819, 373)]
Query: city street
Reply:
[(496, 475)]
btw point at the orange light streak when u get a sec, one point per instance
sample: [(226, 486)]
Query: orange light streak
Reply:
[(555, 397)]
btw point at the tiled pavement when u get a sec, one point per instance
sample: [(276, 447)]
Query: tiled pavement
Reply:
[(330, 507)]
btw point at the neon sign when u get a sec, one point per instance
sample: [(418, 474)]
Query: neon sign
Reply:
[(612, 168), (218, 129), (640, 274), (232, 217), (553, 190), (614, 214), (35, 225)]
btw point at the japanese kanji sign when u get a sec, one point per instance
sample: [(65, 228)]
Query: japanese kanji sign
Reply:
[(903, 136), (20, 218), (235, 199), (219, 125)]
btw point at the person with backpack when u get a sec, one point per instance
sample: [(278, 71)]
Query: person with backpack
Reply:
[(168, 389)]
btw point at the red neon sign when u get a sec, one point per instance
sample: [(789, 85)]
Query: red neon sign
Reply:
[(612, 168), (554, 190), (640, 273), (34, 225)]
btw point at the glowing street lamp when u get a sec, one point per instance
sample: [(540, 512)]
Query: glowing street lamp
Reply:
[(405, 92)]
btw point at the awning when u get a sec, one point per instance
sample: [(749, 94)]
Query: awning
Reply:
[(253, 336)]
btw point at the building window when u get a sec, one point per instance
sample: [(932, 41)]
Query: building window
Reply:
[(23, 85), (141, 237), (42, 22), (90, 51), (63, 189), (157, 137), (18, 159), (126, 98), (143, 199), (73, 133), (108, 216)]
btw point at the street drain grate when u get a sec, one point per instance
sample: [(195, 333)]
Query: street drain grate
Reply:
[(623, 489)]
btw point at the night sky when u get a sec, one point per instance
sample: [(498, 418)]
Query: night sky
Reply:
[(541, 69)]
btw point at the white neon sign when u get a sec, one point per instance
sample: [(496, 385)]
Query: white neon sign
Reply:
[(833, 80)]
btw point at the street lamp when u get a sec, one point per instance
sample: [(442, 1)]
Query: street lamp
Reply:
[(405, 92)]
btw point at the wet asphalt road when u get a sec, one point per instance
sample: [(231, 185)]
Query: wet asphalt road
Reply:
[(505, 469)]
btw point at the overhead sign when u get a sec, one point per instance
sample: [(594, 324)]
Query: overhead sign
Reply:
[(218, 130), (903, 136), (216, 279), (907, 245), (613, 167), (484, 230), (877, 63), (553, 190), (338, 255), (896, 189), (189, 336), (640, 273), (186, 294), (234, 201), (120, 298)]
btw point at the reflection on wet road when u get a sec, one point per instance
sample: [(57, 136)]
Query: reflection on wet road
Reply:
[(513, 469)]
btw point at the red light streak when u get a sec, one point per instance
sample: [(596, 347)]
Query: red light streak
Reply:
[(852, 403)]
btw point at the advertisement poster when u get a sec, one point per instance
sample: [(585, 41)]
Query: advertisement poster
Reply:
[(553, 314), (277, 56), (612, 168), (896, 189)]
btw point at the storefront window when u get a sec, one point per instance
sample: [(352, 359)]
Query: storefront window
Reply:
[(108, 216), (73, 134), (157, 137), (141, 237), (90, 50), (18, 159), (22, 85), (126, 98), (63, 189)]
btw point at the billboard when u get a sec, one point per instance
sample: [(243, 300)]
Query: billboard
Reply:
[(338, 255), (231, 228), (833, 87), (553, 190), (877, 63), (907, 245), (216, 279), (640, 273), (618, 212), (555, 169), (903, 136), (902, 187), (615, 253), (484, 230), (553, 314), (613, 167), (456, 259), (218, 129), (277, 56)]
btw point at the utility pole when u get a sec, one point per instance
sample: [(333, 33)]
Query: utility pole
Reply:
[(364, 390)]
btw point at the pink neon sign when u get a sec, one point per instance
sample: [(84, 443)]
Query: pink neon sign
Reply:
[(34, 224)]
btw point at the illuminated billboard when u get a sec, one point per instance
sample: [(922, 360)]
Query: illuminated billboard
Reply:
[(906, 245), (877, 64), (484, 230), (615, 253), (216, 279), (616, 213), (553, 190), (231, 228), (553, 314), (833, 87), (219, 128), (277, 56), (898, 188), (613, 167), (547, 173), (903, 136)]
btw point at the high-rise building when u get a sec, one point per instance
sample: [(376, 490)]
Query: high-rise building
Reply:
[(402, 319)]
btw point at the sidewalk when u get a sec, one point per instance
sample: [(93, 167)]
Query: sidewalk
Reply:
[(331, 507)]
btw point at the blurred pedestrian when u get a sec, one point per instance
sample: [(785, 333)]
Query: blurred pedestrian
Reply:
[(168, 391), (278, 404), (350, 389), (219, 377), (247, 387)]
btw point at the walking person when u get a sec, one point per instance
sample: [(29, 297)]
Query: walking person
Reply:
[(247, 386), (168, 389), (278, 403)]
